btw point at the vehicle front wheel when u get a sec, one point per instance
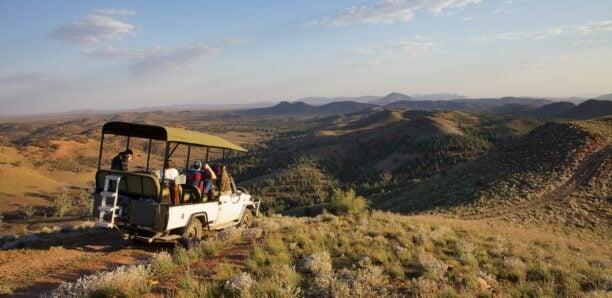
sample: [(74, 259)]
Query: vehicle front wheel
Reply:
[(246, 221), (193, 232)]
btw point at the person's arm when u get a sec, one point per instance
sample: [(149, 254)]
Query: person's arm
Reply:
[(212, 173)]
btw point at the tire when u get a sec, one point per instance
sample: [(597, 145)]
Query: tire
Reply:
[(192, 234), (246, 220)]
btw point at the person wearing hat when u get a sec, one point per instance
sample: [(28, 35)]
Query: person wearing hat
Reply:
[(120, 162), (202, 179)]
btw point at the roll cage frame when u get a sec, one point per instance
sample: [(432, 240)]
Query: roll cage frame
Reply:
[(170, 135)]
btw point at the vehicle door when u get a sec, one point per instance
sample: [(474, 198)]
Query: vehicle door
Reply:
[(231, 205)]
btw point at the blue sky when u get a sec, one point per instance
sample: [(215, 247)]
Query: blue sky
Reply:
[(67, 55)]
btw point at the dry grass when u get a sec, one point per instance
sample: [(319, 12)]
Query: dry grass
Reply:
[(381, 254)]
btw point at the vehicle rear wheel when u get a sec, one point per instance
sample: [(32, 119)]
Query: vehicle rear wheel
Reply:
[(246, 221), (192, 234)]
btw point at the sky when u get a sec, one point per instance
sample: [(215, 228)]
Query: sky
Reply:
[(62, 55)]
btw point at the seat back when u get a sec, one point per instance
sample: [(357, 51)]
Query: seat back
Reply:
[(131, 184)]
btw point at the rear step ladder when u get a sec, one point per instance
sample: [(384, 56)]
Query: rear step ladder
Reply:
[(106, 208)]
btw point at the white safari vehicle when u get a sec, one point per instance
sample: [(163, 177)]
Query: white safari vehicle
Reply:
[(144, 207)]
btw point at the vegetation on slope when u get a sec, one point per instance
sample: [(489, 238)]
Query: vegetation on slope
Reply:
[(554, 158), (376, 150), (381, 254)]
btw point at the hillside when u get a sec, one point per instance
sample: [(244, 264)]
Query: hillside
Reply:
[(377, 254), (299, 108), (513, 109), (487, 103), (376, 149), (552, 110), (540, 173), (428, 105), (589, 109), (303, 183)]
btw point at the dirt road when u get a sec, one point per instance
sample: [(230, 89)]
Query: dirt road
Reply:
[(32, 271)]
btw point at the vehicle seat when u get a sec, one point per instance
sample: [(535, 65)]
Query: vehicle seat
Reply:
[(131, 184), (192, 194)]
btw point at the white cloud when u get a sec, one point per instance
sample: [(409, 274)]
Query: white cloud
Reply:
[(467, 19), (234, 40), (94, 28), (586, 29), (389, 11), (438, 6), (155, 60), (520, 35), (595, 27)]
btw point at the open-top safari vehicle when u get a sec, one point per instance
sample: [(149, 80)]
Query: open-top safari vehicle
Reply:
[(145, 207)]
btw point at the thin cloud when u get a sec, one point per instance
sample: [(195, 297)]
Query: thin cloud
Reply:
[(155, 60), (467, 19), (595, 27), (586, 29), (234, 40), (389, 11), (521, 35), (95, 28), (115, 12), (502, 11)]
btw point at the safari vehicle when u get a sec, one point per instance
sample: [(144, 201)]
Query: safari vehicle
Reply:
[(146, 208)]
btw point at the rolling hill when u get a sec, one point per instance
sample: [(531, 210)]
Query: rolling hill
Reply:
[(363, 148), (589, 109), (429, 105), (299, 108), (533, 178)]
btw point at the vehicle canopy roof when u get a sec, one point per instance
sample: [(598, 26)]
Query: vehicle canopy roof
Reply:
[(169, 134)]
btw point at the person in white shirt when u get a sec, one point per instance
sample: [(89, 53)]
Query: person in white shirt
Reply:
[(170, 172)]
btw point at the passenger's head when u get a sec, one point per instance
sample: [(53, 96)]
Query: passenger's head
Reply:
[(169, 164), (197, 164), (127, 154)]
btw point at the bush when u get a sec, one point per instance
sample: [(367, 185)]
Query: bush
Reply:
[(61, 205), (1, 219), (132, 281), (347, 202), (161, 263), (208, 248), (28, 211)]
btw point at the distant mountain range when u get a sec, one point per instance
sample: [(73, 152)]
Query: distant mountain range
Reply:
[(534, 107)]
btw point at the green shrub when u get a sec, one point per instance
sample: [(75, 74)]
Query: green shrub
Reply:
[(61, 205), (184, 256), (162, 264), (188, 286), (208, 248), (347, 202)]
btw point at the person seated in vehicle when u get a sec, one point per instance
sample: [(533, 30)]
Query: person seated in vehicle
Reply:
[(171, 191), (120, 162), (202, 179), (224, 185), (170, 172)]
